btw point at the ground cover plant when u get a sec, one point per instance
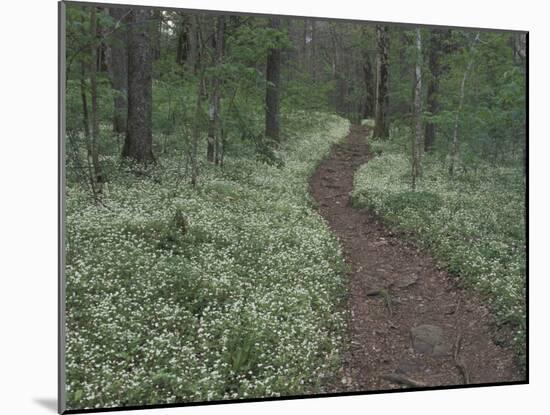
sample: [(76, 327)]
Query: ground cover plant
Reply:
[(232, 291)]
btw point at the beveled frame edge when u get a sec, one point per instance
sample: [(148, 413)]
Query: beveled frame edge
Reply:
[(62, 87), (61, 396)]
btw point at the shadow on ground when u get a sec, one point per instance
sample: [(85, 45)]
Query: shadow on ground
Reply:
[(48, 403)]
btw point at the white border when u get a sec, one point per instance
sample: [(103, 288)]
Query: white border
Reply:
[(28, 219)]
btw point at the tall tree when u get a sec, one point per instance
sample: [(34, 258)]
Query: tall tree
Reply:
[(314, 42), (156, 33), (435, 53), (416, 145), (187, 43), (192, 43), (303, 43), (369, 76), (139, 140), (84, 100), (273, 78), (381, 125), (93, 152), (214, 148), (118, 69), (338, 70), (455, 143), (520, 53)]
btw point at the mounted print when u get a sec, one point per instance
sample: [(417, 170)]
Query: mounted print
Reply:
[(265, 207)]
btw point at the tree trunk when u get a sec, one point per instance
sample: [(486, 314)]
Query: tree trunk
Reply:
[(98, 179), (416, 145), (368, 105), (156, 32), (313, 51), (181, 43), (519, 47), (381, 127), (139, 141), (87, 139), (434, 62), (454, 146), (192, 44), (213, 152), (196, 131), (273, 77), (84, 98), (337, 72), (118, 68), (520, 52), (303, 44)]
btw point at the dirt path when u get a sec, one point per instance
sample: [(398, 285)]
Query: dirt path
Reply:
[(409, 323)]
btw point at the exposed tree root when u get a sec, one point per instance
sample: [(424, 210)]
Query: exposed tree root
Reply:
[(384, 294), (337, 195), (403, 380), (459, 363)]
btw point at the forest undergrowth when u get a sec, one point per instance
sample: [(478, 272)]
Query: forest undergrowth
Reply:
[(229, 290)]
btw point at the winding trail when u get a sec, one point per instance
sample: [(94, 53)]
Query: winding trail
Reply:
[(409, 324)]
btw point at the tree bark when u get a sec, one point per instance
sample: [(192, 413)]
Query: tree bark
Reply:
[(519, 47), (192, 44), (181, 47), (156, 32), (303, 44), (521, 53), (213, 152), (381, 126), (98, 178), (434, 63), (313, 51), (87, 139), (454, 146), (273, 78), (84, 99), (118, 68), (416, 145), (139, 141), (337, 71), (368, 105), (369, 78), (196, 132)]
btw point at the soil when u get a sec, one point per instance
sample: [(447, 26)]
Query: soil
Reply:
[(409, 322)]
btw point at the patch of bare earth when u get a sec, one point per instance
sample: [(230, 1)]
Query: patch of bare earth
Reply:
[(409, 323)]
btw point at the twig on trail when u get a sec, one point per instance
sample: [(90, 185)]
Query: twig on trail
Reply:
[(403, 380), (457, 308), (458, 362), (336, 195), (384, 294)]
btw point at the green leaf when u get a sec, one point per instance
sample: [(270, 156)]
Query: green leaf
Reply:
[(78, 394)]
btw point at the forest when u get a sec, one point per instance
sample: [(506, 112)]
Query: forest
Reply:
[(265, 206)]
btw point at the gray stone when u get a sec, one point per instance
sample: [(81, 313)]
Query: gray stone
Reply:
[(428, 339), (406, 281), (346, 381), (409, 367)]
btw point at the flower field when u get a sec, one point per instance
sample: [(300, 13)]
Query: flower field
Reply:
[(230, 290)]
